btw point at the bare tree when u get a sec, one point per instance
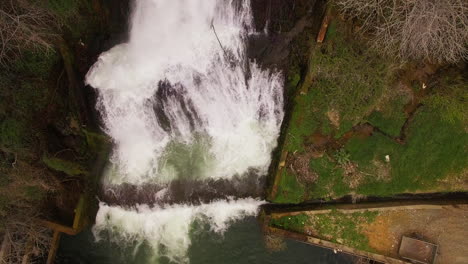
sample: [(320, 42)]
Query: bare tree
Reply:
[(24, 24), (433, 30)]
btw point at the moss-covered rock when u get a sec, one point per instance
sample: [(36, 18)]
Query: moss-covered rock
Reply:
[(68, 167)]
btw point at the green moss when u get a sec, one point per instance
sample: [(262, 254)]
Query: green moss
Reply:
[(294, 79), (95, 141), (289, 189), (65, 166), (331, 31), (291, 222)]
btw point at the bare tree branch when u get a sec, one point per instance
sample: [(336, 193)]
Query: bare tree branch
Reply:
[(25, 25), (433, 30)]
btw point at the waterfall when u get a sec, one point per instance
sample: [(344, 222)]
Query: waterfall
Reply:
[(182, 101)]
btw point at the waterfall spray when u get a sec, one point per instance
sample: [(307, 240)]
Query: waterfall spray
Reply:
[(181, 100)]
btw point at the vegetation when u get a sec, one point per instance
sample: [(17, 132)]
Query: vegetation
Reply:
[(289, 189), (343, 228), (429, 155), (43, 149), (331, 181), (391, 116), (68, 167), (344, 82), (335, 226), (373, 126), (414, 29), (450, 98), (291, 222)]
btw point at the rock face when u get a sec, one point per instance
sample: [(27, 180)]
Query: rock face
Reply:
[(283, 21)]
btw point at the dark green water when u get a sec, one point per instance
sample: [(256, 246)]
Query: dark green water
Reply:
[(242, 243)]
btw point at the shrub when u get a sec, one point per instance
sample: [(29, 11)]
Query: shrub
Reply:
[(434, 30)]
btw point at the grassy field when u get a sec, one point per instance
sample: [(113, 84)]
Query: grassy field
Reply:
[(335, 226), (348, 86)]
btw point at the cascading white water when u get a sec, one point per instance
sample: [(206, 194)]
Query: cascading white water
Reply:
[(181, 99), (167, 229), (174, 42)]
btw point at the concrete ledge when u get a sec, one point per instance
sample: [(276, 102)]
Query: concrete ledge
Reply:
[(378, 206), (330, 245)]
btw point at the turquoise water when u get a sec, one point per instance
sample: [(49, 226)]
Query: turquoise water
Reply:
[(242, 243)]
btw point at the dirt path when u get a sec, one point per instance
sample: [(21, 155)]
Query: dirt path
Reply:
[(446, 227)]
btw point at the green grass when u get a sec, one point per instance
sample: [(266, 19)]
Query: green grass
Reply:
[(450, 97), (391, 117), (434, 149), (330, 182), (343, 76), (351, 77), (289, 189), (303, 121), (347, 78), (335, 226), (344, 228), (292, 222)]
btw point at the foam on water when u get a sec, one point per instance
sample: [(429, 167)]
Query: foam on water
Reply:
[(167, 229)]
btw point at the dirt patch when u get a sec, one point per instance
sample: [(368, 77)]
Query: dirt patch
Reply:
[(300, 166), (380, 237), (455, 181), (383, 170), (352, 176), (334, 118), (446, 227)]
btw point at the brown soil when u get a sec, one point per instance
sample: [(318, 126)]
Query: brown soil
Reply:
[(299, 165), (446, 227), (334, 117), (352, 176)]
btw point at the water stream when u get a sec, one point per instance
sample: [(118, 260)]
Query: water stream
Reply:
[(187, 111)]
